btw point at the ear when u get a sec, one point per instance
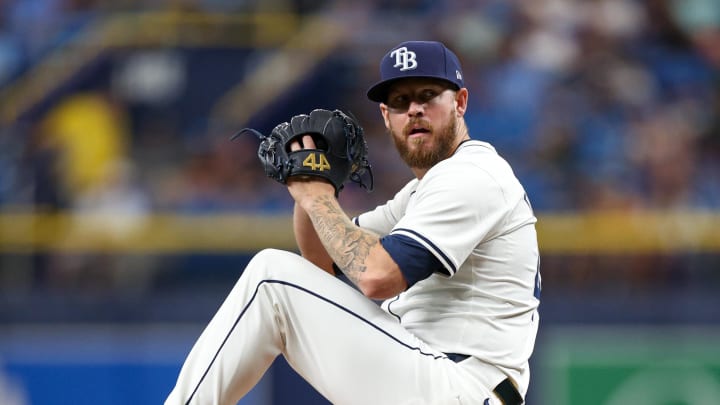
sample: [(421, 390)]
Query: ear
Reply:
[(461, 101), (385, 114)]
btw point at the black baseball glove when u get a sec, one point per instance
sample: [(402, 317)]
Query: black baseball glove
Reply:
[(340, 149)]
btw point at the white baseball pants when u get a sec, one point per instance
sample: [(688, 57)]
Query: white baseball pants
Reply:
[(342, 343)]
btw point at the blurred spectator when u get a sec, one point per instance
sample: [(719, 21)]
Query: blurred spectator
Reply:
[(90, 135)]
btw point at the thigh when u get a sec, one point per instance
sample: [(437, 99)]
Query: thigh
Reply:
[(346, 346)]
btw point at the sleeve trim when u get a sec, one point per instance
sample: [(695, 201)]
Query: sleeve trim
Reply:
[(439, 254)]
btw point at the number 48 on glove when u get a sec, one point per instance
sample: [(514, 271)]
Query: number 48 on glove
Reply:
[(340, 152)]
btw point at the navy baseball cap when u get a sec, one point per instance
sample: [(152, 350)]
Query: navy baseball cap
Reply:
[(416, 59)]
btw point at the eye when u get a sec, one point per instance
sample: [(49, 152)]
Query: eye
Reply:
[(427, 95), (399, 101)]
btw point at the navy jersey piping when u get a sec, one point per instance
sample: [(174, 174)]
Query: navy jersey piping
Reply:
[(316, 295), (397, 297)]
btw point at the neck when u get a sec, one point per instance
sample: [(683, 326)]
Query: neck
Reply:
[(419, 173)]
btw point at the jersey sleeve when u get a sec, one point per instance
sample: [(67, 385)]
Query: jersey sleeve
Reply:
[(455, 208), (414, 260), (382, 219)]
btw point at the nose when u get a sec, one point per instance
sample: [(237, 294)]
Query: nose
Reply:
[(416, 109)]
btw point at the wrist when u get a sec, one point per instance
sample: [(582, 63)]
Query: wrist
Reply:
[(310, 194)]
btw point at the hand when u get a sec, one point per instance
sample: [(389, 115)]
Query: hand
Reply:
[(305, 188), (338, 153)]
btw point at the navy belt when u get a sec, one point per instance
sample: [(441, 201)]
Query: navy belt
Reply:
[(506, 391), (456, 357)]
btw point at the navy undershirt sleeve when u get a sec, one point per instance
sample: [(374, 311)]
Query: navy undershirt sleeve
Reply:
[(415, 261)]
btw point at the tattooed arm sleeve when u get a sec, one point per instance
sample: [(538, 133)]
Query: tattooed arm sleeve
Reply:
[(357, 252)]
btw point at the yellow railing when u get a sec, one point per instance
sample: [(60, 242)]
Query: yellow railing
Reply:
[(159, 233), (637, 232), (558, 233)]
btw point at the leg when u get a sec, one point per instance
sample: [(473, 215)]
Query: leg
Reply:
[(350, 350)]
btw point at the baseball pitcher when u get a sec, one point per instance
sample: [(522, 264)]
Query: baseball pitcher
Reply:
[(453, 254)]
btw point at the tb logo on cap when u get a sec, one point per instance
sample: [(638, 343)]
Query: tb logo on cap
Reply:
[(404, 59)]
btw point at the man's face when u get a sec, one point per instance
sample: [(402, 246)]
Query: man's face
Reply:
[(422, 116)]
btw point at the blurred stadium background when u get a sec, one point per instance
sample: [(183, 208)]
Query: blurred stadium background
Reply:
[(126, 215)]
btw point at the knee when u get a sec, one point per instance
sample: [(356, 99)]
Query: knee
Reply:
[(268, 261), (270, 256)]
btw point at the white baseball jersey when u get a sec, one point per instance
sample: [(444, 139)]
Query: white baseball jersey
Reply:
[(467, 222), (472, 214)]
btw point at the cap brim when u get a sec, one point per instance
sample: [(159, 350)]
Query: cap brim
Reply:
[(379, 91)]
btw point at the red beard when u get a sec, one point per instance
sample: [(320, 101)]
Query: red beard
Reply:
[(419, 155)]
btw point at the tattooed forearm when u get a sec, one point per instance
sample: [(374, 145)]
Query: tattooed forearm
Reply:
[(347, 244)]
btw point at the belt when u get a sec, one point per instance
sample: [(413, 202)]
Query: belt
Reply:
[(506, 391), (456, 357)]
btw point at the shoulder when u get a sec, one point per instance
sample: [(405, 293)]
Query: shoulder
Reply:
[(477, 153), (473, 161), (476, 171), (475, 146)]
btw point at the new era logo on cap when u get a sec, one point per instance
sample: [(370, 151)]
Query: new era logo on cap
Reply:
[(416, 59)]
